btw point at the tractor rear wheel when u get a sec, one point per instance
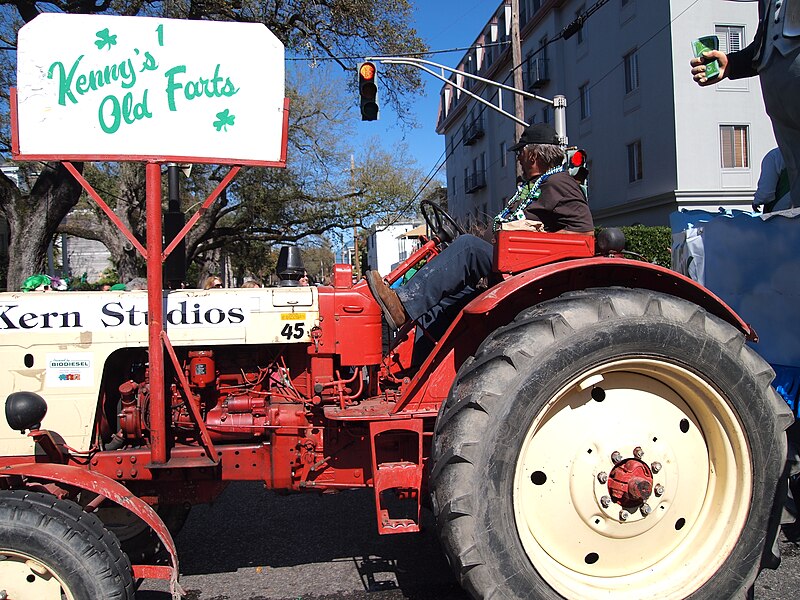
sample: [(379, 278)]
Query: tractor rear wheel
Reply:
[(611, 443), (50, 549)]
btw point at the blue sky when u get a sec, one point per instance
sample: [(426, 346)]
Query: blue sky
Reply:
[(443, 24)]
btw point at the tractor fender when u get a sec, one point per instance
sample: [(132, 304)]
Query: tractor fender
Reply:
[(498, 305), (549, 281), (105, 486)]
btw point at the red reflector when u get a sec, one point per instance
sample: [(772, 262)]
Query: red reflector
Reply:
[(578, 158), (367, 71)]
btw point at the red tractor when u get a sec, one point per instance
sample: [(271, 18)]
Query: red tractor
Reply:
[(588, 426)]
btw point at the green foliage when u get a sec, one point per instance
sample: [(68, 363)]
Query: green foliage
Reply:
[(651, 243), (109, 276)]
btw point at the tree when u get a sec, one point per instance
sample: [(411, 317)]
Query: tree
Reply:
[(327, 28), (326, 186), (33, 218)]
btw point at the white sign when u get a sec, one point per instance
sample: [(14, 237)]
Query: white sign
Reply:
[(62, 311), (136, 87), (72, 369)]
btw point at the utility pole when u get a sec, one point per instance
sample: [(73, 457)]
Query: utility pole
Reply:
[(516, 65), (356, 266)]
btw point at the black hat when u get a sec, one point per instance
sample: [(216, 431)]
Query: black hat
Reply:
[(538, 133)]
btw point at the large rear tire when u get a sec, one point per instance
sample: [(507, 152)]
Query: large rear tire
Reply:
[(50, 549), (611, 443)]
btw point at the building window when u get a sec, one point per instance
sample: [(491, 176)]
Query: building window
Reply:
[(527, 9), (578, 13), (635, 171), (503, 154), (730, 38), (631, 61), (734, 146), (586, 110)]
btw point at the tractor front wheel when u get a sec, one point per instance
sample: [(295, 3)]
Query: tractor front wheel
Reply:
[(50, 549), (611, 443)]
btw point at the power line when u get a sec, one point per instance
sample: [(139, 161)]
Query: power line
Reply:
[(405, 54), (565, 33)]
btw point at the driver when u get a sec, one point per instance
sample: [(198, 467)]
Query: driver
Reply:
[(549, 195)]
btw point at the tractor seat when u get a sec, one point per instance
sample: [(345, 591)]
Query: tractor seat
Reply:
[(516, 251)]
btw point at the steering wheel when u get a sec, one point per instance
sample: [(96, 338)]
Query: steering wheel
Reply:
[(440, 223)]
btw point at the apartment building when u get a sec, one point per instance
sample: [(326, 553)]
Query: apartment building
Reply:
[(656, 141), (389, 244)]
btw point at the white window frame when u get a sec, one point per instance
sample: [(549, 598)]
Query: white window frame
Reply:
[(586, 105), (731, 37), (635, 162), (731, 131), (631, 64)]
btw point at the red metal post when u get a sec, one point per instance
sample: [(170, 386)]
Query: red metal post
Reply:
[(155, 315)]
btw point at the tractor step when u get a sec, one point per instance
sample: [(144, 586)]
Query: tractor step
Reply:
[(403, 477)]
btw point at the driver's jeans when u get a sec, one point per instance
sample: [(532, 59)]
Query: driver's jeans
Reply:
[(461, 265)]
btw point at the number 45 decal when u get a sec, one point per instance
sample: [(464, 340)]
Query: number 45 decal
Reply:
[(295, 332)]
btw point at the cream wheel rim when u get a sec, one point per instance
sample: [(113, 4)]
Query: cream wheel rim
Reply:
[(23, 576), (652, 416)]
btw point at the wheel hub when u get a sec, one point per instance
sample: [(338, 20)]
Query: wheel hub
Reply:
[(630, 483)]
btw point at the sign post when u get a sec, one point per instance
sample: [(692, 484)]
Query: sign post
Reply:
[(151, 90)]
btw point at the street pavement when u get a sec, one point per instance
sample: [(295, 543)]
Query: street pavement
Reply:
[(253, 544)]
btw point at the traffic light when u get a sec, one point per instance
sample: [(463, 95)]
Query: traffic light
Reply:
[(368, 90)]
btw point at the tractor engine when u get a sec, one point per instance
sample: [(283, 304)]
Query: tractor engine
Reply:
[(239, 393)]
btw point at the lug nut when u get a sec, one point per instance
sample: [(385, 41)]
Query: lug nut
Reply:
[(645, 509), (638, 452), (602, 477), (659, 489), (616, 457), (623, 515), (655, 467), (605, 501)]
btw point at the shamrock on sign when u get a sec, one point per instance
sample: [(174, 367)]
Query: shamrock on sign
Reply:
[(225, 119), (104, 39)]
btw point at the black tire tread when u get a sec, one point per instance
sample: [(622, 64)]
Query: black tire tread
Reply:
[(84, 533)]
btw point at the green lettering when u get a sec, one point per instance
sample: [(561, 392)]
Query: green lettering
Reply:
[(228, 89), (114, 114), (82, 84), (173, 85), (140, 111), (149, 63), (128, 74), (65, 81)]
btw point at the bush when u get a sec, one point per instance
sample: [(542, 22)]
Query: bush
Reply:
[(652, 244)]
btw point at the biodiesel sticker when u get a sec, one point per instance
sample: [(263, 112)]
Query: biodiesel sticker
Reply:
[(293, 316), (140, 86), (69, 369)]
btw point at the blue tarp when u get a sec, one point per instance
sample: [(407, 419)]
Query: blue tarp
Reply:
[(751, 262), (787, 384)]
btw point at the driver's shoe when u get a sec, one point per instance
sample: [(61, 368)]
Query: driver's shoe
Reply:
[(387, 299)]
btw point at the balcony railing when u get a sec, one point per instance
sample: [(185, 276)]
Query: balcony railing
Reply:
[(537, 74), (475, 181), (472, 132)]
